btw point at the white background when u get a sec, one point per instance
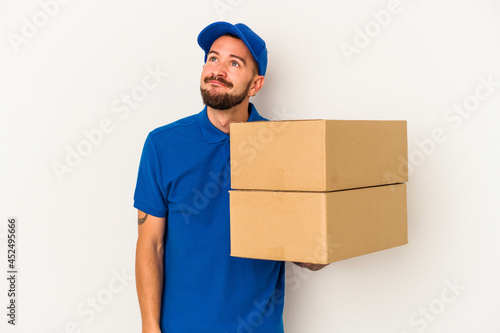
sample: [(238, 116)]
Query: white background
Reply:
[(77, 233)]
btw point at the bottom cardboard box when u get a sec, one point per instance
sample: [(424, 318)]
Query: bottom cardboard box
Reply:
[(317, 227)]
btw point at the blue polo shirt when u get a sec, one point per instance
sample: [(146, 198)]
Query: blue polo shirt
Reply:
[(184, 175)]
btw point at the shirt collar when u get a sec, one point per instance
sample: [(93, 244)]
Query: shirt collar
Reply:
[(212, 134)]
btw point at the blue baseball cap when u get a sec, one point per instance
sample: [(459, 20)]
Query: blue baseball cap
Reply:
[(255, 44)]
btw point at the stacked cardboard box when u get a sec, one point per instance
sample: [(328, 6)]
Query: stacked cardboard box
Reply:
[(317, 191)]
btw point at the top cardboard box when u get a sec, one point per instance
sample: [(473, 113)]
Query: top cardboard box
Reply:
[(318, 155)]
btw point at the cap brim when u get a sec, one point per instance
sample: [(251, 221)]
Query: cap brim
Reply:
[(210, 34)]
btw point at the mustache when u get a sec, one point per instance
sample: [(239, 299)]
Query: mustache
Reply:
[(218, 79)]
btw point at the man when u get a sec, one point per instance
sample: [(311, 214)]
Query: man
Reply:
[(186, 280)]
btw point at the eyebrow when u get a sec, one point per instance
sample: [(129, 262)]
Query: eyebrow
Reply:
[(231, 55)]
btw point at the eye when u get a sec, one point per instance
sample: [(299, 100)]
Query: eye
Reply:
[(235, 63), (212, 59)]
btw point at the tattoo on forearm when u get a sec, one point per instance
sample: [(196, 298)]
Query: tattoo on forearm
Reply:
[(143, 219)]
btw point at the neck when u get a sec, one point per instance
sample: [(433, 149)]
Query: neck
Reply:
[(223, 118)]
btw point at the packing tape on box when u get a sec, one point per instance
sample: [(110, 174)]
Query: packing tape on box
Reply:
[(276, 253)]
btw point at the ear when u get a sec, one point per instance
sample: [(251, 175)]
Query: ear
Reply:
[(258, 82)]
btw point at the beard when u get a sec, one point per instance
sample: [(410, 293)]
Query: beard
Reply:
[(222, 101)]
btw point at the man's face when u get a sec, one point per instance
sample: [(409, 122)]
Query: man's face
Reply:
[(227, 76)]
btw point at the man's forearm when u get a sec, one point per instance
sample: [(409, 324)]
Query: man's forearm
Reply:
[(149, 282)]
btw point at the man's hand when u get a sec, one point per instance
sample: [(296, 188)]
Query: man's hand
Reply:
[(310, 266)]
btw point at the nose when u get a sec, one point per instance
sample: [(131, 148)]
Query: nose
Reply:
[(218, 70)]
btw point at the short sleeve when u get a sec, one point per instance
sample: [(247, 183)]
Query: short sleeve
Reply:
[(149, 196)]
